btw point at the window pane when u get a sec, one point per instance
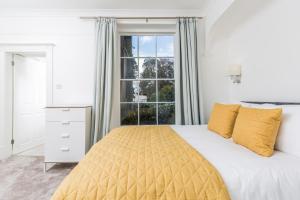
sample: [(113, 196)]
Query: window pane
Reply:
[(129, 68), (147, 67), (147, 91), (165, 68), (147, 113), (129, 46), (165, 46), (146, 100), (166, 113), (147, 46), (129, 114), (166, 91), (129, 91)]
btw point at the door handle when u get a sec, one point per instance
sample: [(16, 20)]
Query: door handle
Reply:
[(65, 135), (65, 149), (65, 109), (65, 123)]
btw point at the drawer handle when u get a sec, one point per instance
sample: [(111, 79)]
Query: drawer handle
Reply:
[(65, 109), (65, 135), (65, 123), (65, 149)]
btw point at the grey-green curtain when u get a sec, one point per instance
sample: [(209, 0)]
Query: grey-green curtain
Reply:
[(105, 61), (187, 73)]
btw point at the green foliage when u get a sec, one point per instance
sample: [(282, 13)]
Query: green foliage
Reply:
[(166, 113), (148, 68), (130, 119), (165, 68), (126, 42), (148, 89), (166, 92), (148, 113)]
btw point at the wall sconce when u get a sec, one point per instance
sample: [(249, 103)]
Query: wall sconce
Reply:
[(235, 73)]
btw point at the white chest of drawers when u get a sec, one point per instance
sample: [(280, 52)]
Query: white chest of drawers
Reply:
[(67, 133)]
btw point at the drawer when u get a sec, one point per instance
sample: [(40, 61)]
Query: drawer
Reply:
[(64, 142), (65, 114), (63, 153), (65, 130)]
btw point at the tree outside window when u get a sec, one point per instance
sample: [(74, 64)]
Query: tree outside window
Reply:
[(147, 80)]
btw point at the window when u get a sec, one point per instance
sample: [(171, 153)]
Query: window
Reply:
[(147, 80)]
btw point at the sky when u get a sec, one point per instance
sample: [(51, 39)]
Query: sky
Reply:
[(147, 48)]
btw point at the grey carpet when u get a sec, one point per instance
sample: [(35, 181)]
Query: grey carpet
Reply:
[(22, 177)]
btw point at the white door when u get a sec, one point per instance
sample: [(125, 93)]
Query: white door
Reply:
[(29, 102)]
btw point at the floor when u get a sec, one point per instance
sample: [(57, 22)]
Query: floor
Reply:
[(22, 176), (35, 151)]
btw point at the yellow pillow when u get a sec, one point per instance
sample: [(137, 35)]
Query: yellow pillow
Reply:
[(257, 129), (222, 119)]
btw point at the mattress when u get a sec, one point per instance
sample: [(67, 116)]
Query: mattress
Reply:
[(247, 175)]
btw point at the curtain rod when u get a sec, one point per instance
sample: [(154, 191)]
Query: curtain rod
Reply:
[(146, 18)]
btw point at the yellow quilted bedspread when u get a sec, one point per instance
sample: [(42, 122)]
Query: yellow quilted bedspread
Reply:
[(143, 162)]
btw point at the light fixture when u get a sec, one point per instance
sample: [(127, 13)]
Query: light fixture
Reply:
[(235, 73)]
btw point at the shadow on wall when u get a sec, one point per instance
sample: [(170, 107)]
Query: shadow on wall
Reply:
[(218, 55), (243, 11)]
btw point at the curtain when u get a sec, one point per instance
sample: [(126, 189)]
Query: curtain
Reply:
[(105, 58), (187, 73)]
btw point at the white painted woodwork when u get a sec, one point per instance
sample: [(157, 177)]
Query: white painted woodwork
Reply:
[(67, 133), (29, 102)]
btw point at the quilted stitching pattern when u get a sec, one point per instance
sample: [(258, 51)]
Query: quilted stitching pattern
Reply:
[(143, 162)]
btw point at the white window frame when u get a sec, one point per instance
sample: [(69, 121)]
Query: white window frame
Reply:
[(154, 79)]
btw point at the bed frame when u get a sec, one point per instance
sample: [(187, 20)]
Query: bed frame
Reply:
[(275, 103)]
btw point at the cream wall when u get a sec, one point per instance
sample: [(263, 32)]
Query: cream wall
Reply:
[(263, 36)]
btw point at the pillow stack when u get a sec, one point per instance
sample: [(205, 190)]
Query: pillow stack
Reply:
[(288, 136), (253, 128), (257, 129)]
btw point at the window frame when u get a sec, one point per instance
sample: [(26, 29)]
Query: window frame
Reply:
[(120, 79)]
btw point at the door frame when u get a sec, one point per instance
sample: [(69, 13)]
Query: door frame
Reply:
[(6, 90)]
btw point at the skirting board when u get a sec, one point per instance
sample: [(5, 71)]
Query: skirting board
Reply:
[(5, 152), (29, 145)]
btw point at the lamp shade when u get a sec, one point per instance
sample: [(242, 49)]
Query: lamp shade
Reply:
[(234, 70)]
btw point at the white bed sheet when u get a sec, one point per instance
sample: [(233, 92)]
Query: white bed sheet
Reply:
[(247, 175)]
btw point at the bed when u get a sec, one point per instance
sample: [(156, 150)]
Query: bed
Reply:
[(143, 162), (246, 175)]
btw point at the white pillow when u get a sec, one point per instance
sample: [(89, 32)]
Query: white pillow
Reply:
[(245, 104), (288, 139)]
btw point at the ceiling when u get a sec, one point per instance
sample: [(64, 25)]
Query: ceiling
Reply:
[(101, 4)]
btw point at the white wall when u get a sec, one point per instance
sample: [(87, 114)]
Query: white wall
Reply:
[(263, 36), (72, 55), (215, 82), (5, 107), (214, 10)]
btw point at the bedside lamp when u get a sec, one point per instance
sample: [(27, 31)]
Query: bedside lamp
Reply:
[(235, 73)]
